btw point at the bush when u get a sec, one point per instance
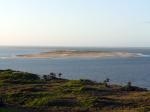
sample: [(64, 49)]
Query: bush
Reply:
[(63, 102), (144, 109), (88, 89), (8, 110), (132, 88), (16, 75), (48, 101), (87, 81)]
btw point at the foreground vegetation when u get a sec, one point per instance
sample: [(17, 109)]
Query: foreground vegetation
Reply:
[(26, 92)]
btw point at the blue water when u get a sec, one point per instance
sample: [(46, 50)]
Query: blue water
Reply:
[(119, 70)]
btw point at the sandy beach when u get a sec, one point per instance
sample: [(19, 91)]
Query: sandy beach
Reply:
[(80, 54)]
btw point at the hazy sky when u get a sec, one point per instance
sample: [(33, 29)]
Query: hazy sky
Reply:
[(75, 23)]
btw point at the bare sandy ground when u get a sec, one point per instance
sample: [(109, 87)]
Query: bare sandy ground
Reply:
[(80, 54)]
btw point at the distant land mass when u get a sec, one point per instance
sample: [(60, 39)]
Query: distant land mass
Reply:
[(80, 54)]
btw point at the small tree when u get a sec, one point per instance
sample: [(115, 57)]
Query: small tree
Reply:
[(59, 75), (52, 75), (129, 87), (129, 84), (106, 82), (45, 77)]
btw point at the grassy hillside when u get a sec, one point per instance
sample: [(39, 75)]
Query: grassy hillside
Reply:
[(25, 92)]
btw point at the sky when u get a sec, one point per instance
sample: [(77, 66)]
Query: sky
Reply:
[(94, 23)]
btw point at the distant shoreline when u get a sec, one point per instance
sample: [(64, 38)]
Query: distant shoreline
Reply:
[(78, 54)]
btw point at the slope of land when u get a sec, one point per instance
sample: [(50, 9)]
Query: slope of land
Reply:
[(27, 92)]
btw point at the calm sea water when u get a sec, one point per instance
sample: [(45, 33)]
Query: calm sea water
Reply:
[(119, 70)]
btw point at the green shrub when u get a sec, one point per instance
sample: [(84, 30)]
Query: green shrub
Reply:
[(17, 76), (52, 101), (88, 102), (88, 89), (8, 110), (38, 102), (87, 81), (144, 109)]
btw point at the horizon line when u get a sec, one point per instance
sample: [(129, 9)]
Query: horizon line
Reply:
[(42, 46)]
